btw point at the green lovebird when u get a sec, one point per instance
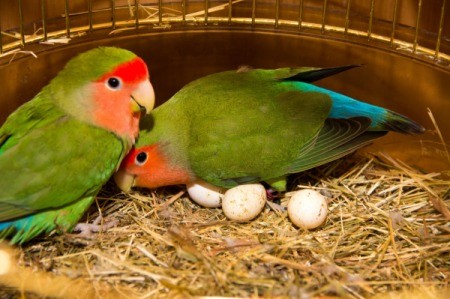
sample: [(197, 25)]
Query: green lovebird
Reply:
[(58, 149), (252, 125)]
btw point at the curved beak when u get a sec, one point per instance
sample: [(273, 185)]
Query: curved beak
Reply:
[(124, 180), (143, 98)]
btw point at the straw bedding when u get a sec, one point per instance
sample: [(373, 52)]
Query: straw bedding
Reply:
[(388, 229)]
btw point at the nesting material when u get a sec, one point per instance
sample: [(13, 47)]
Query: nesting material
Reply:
[(386, 231), (33, 283)]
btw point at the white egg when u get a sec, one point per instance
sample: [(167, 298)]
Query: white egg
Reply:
[(205, 194), (244, 202), (307, 208)]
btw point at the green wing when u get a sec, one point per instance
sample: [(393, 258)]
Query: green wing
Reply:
[(246, 145), (338, 137), (53, 165), (34, 114)]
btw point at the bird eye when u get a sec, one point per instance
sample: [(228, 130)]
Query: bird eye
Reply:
[(141, 158), (114, 83)]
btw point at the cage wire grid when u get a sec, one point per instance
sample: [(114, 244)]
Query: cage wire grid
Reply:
[(158, 14)]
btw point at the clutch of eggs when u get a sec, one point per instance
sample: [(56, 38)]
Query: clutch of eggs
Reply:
[(242, 203), (307, 208)]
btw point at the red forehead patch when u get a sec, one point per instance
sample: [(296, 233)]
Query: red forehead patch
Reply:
[(131, 71), (129, 158)]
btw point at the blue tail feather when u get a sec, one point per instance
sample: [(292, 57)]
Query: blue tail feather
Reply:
[(382, 119), (19, 228), (62, 219)]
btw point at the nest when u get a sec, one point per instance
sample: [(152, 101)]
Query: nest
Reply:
[(388, 229)]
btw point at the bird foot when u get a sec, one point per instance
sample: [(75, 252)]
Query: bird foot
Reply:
[(276, 206), (87, 230), (274, 199), (272, 194)]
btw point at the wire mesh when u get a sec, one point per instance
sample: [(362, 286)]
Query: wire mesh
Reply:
[(414, 27)]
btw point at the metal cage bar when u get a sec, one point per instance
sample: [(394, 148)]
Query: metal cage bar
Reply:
[(44, 19), (300, 14), (90, 14), (184, 10), (416, 34), (206, 12), (160, 11), (253, 12), (277, 12), (324, 13), (441, 26), (372, 7), (136, 13), (394, 22), (66, 11), (347, 16), (113, 14), (22, 35), (230, 11), (434, 49)]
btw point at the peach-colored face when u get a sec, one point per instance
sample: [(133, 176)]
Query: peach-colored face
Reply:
[(148, 167), (119, 96)]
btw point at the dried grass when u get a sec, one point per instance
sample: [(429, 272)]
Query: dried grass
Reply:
[(388, 230)]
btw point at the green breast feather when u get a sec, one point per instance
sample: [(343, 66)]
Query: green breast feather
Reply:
[(41, 172)]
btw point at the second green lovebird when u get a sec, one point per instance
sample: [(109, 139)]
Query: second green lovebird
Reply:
[(252, 125)]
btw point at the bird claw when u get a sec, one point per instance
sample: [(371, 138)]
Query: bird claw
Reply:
[(87, 230), (272, 194), (276, 207)]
